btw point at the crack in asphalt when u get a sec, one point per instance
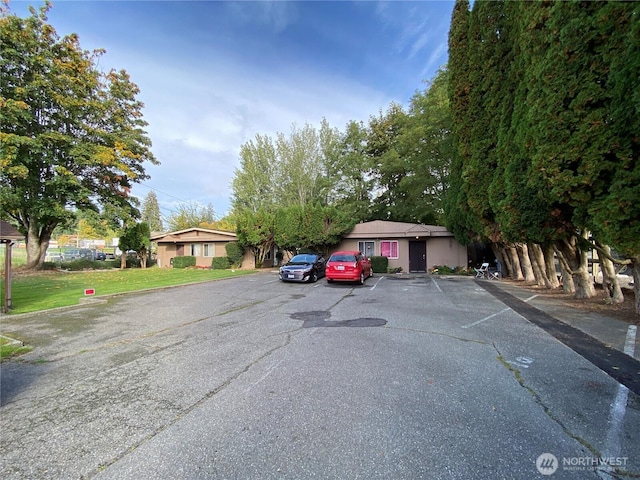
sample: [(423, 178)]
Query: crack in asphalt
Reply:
[(546, 409), (618, 365), (431, 332), (186, 411)]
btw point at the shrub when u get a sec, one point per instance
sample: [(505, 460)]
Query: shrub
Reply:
[(80, 264), (132, 261), (445, 270), (234, 253), (394, 270), (379, 264), (184, 262), (220, 263)]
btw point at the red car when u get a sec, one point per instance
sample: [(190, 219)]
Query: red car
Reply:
[(349, 265)]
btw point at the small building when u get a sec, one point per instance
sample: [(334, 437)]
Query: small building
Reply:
[(410, 246), (202, 243)]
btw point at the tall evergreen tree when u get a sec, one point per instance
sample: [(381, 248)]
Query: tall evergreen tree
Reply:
[(151, 212), (458, 216), (615, 212)]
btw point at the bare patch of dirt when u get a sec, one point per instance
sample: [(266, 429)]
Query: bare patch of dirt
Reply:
[(622, 311), (25, 272)]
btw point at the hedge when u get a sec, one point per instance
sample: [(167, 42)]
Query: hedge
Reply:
[(184, 262), (235, 253), (220, 263), (379, 264)]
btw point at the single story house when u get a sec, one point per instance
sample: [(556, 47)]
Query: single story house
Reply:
[(410, 246), (202, 243)]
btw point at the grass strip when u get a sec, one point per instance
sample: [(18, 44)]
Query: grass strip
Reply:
[(46, 290)]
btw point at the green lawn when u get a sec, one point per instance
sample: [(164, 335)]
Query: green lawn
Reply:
[(41, 291)]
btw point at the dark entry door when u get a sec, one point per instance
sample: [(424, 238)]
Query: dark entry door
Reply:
[(417, 256)]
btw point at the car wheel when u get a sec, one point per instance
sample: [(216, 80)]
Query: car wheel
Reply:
[(329, 280), (313, 278), (362, 277)]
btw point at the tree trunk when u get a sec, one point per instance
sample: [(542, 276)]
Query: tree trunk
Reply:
[(550, 266), (567, 279), (123, 260), (507, 266), (635, 268), (525, 263), (577, 262), (610, 283), (537, 262), (142, 255), (37, 244), (516, 272), (498, 251)]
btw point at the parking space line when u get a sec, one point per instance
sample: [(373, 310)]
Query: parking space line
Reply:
[(478, 322), (630, 341), (376, 284), (613, 442)]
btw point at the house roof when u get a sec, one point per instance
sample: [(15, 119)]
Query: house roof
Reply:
[(387, 229), (8, 233), (195, 234)]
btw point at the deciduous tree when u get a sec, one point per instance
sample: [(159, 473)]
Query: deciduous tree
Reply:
[(135, 238), (72, 137)]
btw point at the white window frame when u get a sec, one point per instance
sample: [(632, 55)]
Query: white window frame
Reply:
[(362, 247), (194, 249), (208, 249), (391, 244)]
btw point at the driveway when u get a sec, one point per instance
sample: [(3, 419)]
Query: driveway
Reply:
[(404, 377)]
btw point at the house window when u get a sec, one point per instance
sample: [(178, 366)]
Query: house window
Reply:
[(389, 248), (208, 249), (368, 248), (195, 249)]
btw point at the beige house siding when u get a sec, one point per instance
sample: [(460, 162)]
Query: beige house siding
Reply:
[(438, 244), (203, 244)]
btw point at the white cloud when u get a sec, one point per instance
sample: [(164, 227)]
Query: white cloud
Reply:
[(197, 132), (214, 74)]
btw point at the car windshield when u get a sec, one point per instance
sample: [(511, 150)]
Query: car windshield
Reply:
[(342, 258), (303, 258)]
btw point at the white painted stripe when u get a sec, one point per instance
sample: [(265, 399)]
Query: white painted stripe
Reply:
[(376, 284), (630, 341), (613, 442), (436, 284), (478, 322)]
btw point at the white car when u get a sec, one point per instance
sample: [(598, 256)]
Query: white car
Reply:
[(625, 277)]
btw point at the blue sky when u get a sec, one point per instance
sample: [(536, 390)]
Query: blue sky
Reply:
[(213, 74)]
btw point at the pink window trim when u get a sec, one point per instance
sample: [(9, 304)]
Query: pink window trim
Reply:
[(389, 248)]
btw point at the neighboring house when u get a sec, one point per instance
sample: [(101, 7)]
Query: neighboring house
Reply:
[(410, 246), (202, 243)]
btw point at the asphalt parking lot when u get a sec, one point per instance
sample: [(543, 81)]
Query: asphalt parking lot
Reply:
[(405, 377)]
